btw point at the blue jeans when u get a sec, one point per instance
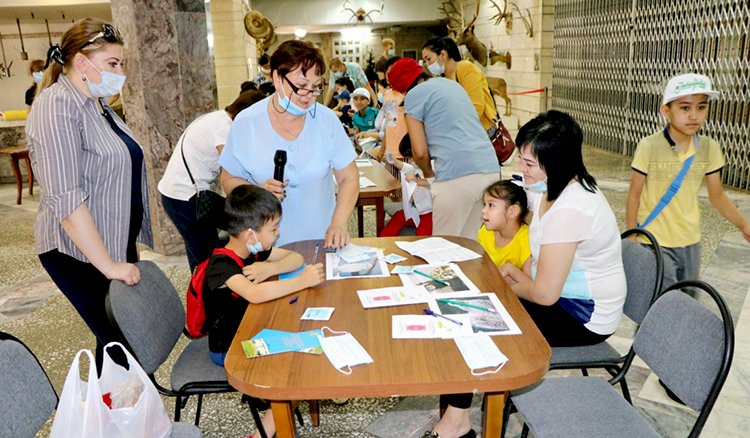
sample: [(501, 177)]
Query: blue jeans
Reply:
[(200, 238)]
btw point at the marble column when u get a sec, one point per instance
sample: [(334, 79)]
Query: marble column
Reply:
[(170, 81)]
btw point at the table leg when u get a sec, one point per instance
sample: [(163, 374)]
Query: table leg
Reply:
[(360, 221), (31, 176), (379, 215), (282, 417), (493, 413), (314, 412), (17, 171)]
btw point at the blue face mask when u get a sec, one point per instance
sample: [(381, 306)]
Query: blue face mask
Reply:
[(539, 186), (291, 108), (391, 52), (436, 69), (110, 85), (37, 75), (338, 75), (256, 247)]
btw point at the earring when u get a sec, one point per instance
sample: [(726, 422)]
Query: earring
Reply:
[(83, 77)]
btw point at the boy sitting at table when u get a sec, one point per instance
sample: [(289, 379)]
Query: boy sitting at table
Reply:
[(253, 215)]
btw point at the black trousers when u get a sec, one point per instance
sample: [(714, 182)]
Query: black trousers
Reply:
[(558, 328), (200, 237), (85, 287)]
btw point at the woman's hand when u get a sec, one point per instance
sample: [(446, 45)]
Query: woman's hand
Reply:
[(128, 273), (276, 187), (367, 134), (258, 272), (336, 236)]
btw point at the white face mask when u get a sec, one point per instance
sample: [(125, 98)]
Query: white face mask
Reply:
[(436, 69), (539, 186), (256, 247), (344, 351), (479, 352), (37, 75), (110, 85), (391, 52)]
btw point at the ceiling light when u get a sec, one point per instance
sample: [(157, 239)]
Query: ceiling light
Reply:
[(300, 33)]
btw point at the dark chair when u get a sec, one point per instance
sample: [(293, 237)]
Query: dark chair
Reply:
[(644, 269), (28, 398), (151, 318), (686, 345)]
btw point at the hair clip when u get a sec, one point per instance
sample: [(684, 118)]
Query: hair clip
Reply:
[(55, 53)]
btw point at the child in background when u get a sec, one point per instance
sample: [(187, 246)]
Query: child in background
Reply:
[(342, 108), (659, 158), (503, 233), (253, 216), (364, 117), (417, 211)]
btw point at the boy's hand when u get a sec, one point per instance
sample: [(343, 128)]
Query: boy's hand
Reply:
[(313, 275), (258, 272), (746, 232)]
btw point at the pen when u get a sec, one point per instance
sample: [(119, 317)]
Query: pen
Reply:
[(443, 282), (294, 300), (315, 257), (430, 312), (459, 303)]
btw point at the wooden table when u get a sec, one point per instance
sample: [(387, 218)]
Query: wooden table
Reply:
[(17, 153), (385, 185), (403, 367)]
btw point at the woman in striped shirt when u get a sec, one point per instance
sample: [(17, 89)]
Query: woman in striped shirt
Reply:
[(94, 203)]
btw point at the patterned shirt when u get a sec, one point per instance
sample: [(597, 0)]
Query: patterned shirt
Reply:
[(78, 158)]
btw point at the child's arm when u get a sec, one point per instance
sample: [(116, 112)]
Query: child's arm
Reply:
[(420, 151), (637, 181), (311, 276), (512, 275), (724, 205), (280, 261)]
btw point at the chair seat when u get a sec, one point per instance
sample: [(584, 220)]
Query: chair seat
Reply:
[(601, 353), (194, 366), (185, 430), (579, 406)]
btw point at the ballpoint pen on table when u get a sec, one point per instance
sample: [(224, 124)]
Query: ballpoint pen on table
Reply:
[(431, 313), (460, 303), (443, 282), (294, 300), (315, 257)]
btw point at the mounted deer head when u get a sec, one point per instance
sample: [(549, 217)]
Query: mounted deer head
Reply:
[(464, 33), (499, 57), (503, 15)]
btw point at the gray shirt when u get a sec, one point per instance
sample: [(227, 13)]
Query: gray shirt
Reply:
[(455, 137), (77, 158)]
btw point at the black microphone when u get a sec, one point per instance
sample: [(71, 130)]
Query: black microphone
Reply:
[(279, 161)]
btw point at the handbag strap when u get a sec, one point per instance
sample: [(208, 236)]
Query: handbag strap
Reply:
[(672, 190), (182, 152)]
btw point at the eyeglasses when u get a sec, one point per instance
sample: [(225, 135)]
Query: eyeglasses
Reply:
[(303, 91), (108, 32)]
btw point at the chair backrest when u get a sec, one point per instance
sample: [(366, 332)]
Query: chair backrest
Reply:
[(26, 394), (644, 268), (149, 314), (688, 346)]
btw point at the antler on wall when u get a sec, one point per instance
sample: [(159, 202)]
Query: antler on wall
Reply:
[(454, 11)]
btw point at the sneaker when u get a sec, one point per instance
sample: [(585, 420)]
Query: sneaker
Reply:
[(340, 401)]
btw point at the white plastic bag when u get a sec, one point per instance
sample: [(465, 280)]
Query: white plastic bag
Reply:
[(81, 412)]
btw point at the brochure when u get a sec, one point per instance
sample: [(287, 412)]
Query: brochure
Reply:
[(269, 341), (437, 250)]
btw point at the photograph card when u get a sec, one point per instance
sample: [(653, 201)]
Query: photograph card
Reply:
[(486, 313), (372, 265), (443, 279)]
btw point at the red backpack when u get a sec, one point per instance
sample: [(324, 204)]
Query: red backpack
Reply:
[(196, 310)]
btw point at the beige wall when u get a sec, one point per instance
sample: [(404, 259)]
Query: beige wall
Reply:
[(232, 49)]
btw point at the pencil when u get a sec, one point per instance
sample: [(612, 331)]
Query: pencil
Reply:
[(459, 303), (443, 282)]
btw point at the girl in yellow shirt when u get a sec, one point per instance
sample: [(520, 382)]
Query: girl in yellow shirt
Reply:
[(503, 234)]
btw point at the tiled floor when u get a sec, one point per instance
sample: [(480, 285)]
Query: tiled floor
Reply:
[(34, 310)]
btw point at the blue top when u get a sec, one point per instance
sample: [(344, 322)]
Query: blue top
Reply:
[(353, 72), (366, 122), (322, 146), (457, 142)]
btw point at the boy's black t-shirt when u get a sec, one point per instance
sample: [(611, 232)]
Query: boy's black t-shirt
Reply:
[(345, 118), (224, 309)]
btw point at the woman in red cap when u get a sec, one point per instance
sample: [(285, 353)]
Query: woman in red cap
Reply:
[(449, 145)]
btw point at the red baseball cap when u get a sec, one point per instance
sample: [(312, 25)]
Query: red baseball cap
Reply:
[(403, 73)]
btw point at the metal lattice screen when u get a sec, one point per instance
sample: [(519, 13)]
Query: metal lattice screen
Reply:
[(612, 59)]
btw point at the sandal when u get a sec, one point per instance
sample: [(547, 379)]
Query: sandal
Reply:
[(469, 434)]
